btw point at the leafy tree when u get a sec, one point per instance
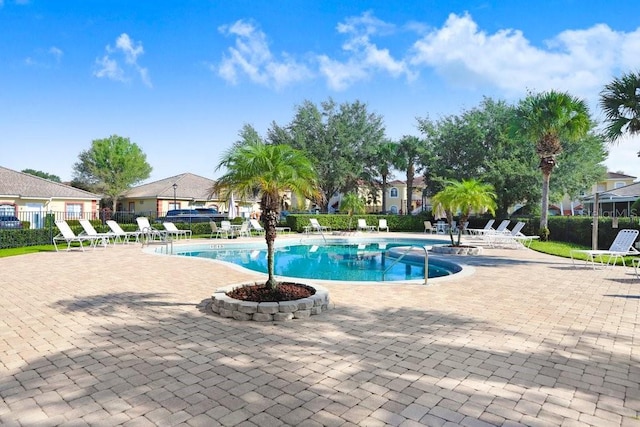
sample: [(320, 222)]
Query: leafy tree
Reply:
[(352, 203), (477, 144), (50, 177), (112, 165), (410, 152), (337, 138), (620, 102), (465, 196), (548, 119), (579, 166), (268, 170)]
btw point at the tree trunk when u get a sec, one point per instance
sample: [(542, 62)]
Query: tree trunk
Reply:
[(270, 219), (544, 214), (384, 194), (410, 174)]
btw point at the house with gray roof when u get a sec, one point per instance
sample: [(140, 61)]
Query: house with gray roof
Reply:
[(182, 191), (30, 198)]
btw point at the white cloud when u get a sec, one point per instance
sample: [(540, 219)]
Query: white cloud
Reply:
[(577, 61), (110, 69), (108, 66), (365, 57), (50, 58), (251, 56)]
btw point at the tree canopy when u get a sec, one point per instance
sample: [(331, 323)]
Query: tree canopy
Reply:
[(112, 165), (620, 102), (549, 120), (339, 140), (41, 174)]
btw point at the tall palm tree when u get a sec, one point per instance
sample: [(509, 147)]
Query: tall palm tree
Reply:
[(268, 170), (465, 196), (547, 118), (386, 157), (410, 151), (620, 102)]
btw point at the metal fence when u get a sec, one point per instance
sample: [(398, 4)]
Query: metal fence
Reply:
[(45, 219)]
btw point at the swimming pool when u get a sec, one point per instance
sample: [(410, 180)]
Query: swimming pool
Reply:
[(344, 260)]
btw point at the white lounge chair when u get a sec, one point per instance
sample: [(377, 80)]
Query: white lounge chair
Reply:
[(255, 225), (89, 230), (363, 226), (68, 236), (514, 238), (314, 225), (487, 235), (477, 231), (382, 225), (120, 234), (172, 230), (622, 246), (148, 232)]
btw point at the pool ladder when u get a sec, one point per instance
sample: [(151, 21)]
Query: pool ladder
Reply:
[(406, 251)]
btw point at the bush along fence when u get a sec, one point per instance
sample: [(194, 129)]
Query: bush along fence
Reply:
[(570, 229)]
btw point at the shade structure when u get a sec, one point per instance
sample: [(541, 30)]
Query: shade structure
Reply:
[(233, 211)]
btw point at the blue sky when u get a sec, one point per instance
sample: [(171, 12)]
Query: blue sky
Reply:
[(181, 78)]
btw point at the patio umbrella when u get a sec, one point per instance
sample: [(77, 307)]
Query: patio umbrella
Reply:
[(439, 212), (233, 212)]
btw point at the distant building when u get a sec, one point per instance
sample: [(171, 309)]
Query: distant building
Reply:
[(615, 196), (31, 198)]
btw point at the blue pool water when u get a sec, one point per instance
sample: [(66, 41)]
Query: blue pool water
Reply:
[(364, 262)]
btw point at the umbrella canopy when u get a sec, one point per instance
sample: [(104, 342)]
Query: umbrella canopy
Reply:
[(439, 212), (233, 211)]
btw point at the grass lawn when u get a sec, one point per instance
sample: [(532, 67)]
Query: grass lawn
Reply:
[(562, 249), (26, 250)]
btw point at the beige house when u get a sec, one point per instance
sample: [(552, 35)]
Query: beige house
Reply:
[(183, 191), (32, 198), (611, 182)]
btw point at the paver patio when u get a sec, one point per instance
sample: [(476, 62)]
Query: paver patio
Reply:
[(116, 336)]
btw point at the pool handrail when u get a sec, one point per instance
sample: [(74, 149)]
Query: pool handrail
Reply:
[(406, 251)]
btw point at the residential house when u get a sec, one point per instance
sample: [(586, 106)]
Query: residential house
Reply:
[(177, 192), (31, 198), (607, 190), (615, 196)]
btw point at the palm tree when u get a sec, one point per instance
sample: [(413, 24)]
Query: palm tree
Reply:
[(548, 118), (410, 151), (386, 157), (351, 204), (268, 170), (620, 102), (464, 197)]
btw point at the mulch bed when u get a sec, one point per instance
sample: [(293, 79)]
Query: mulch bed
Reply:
[(285, 291)]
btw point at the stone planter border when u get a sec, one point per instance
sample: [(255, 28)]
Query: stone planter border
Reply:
[(456, 250), (226, 306)]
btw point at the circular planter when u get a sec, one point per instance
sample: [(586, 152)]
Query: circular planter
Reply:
[(456, 250), (226, 306)]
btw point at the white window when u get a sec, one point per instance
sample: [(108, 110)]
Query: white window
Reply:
[(7, 210), (619, 184), (74, 210), (394, 209), (393, 192)]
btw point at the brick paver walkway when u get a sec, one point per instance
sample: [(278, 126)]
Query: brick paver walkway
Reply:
[(120, 337)]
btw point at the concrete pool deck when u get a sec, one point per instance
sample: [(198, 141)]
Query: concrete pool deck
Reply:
[(117, 336)]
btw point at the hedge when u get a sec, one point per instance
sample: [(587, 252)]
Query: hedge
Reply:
[(571, 229)]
